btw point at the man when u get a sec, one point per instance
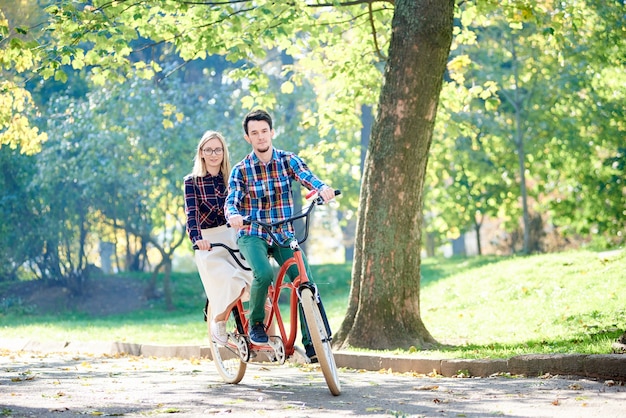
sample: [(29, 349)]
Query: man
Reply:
[(260, 188)]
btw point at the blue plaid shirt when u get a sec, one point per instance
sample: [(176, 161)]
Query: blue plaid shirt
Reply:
[(263, 191)]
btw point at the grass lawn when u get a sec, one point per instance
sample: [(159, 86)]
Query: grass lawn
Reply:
[(482, 307), (573, 302)]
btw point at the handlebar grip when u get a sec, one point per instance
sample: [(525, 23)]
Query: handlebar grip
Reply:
[(312, 193), (320, 201), (246, 221)]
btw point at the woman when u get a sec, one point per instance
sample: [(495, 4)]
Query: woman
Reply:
[(205, 192)]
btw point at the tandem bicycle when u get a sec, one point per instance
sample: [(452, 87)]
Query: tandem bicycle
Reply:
[(231, 359)]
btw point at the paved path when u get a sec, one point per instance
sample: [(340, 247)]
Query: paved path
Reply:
[(37, 384)]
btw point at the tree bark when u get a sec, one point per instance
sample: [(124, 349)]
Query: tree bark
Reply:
[(384, 305)]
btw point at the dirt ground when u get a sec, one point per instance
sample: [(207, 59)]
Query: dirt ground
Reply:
[(102, 296)]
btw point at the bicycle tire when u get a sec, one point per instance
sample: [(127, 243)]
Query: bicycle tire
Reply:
[(321, 341), (228, 363)]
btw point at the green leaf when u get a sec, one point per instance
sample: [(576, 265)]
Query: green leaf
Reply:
[(491, 104), (46, 72), (287, 87), (60, 75), (247, 102)]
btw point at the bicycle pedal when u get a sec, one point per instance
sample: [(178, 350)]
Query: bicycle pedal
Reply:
[(261, 345)]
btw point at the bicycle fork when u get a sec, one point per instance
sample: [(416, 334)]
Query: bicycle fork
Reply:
[(320, 305)]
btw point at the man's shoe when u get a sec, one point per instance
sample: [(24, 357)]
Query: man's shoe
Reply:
[(258, 334), (310, 353), (218, 332)]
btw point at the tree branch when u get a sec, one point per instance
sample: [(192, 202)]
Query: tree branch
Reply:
[(352, 3), (371, 15)]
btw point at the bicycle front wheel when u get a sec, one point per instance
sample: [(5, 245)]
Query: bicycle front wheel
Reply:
[(321, 341), (226, 358)]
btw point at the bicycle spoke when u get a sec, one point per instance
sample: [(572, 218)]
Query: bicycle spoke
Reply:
[(227, 358)]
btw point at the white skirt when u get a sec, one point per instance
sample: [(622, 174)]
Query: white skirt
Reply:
[(221, 276)]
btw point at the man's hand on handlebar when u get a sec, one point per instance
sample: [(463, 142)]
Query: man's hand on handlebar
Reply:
[(236, 221), (327, 193)]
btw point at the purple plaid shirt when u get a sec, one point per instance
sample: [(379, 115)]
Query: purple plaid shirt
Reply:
[(263, 191), (204, 204)]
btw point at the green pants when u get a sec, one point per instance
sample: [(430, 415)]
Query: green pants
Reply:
[(256, 250)]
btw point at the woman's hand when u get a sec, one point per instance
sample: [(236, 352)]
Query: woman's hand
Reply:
[(203, 244)]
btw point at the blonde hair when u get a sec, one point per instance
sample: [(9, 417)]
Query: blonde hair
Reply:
[(199, 169)]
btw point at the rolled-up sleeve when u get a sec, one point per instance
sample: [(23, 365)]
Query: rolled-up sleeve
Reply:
[(303, 174), (236, 193)]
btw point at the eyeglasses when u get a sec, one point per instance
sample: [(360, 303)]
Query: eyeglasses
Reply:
[(209, 151)]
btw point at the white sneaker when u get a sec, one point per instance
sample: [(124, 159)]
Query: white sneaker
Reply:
[(218, 332)]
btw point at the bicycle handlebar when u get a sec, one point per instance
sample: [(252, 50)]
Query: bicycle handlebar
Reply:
[(267, 227), (232, 252)]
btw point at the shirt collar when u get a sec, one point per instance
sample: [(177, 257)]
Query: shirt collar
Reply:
[(211, 176), (256, 160)]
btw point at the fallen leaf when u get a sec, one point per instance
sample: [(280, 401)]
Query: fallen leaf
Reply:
[(374, 409), (430, 387)]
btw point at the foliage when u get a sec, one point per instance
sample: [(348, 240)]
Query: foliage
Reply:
[(109, 44), (110, 39), (528, 71), (17, 108)]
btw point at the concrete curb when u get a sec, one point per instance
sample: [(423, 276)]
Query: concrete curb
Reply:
[(604, 366)]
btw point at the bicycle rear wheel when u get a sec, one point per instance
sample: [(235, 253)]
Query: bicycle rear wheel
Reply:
[(321, 341), (226, 358)]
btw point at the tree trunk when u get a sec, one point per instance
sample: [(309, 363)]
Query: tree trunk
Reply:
[(151, 288), (477, 226), (384, 306), (167, 280), (479, 248), (519, 145)]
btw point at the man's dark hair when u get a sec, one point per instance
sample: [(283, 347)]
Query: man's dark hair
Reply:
[(260, 115)]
